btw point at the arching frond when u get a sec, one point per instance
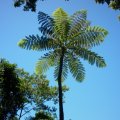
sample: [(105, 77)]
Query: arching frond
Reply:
[(90, 37), (46, 23), (78, 23), (36, 43), (48, 60), (61, 23), (64, 69), (91, 57), (76, 68)]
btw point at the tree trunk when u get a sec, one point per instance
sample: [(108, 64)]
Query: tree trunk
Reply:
[(61, 113)]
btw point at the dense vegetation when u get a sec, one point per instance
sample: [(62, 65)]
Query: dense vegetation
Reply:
[(21, 92)]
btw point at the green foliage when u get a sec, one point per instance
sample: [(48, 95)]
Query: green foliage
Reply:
[(92, 57), (73, 33), (37, 93), (10, 93), (76, 68), (27, 4), (60, 29), (68, 39), (31, 4), (43, 116), (19, 91), (114, 4)]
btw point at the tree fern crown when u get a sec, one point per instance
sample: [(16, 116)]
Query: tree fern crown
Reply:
[(71, 33)]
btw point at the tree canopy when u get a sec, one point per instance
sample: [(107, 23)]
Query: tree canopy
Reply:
[(114, 4), (31, 4), (21, 92), (10, 93)]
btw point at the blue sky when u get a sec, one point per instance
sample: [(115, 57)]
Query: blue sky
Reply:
[(98, 96)]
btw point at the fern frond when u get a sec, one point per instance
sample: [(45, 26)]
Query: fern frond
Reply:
[(48, 60), (46, 23), (78, 23), (64, 69), (61, 23), (92, 36), (76, 68), (36, 43), (91, 57)]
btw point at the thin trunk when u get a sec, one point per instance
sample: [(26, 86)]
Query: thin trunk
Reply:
[(61, 113)]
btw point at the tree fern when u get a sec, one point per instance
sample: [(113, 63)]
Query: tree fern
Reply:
[(69, 38)]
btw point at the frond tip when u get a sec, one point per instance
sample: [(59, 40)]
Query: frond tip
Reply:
[(91, 57), (22, 43)]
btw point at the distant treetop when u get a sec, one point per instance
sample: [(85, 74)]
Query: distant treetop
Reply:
[(30, 5), (27, 4), (114, 4)]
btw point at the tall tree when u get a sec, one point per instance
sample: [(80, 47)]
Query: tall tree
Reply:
[(68, 39)]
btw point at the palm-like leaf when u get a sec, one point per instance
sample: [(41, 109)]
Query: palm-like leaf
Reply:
[(37, 43), (91, 57), (90, 37), (78, 23), (46, 23), (48, 60), (76, 67), (64, 69), (61, 24)]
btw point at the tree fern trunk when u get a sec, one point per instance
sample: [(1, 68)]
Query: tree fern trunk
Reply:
[(61, 113)]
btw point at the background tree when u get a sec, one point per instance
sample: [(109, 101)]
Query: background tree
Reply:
[(27, 4), (10, 94), (69, 38), (114, 4), (31, 4), (37, 92), (21, 92), (42, 115)]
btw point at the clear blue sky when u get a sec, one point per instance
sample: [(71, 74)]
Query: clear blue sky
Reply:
[(98, 96)]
